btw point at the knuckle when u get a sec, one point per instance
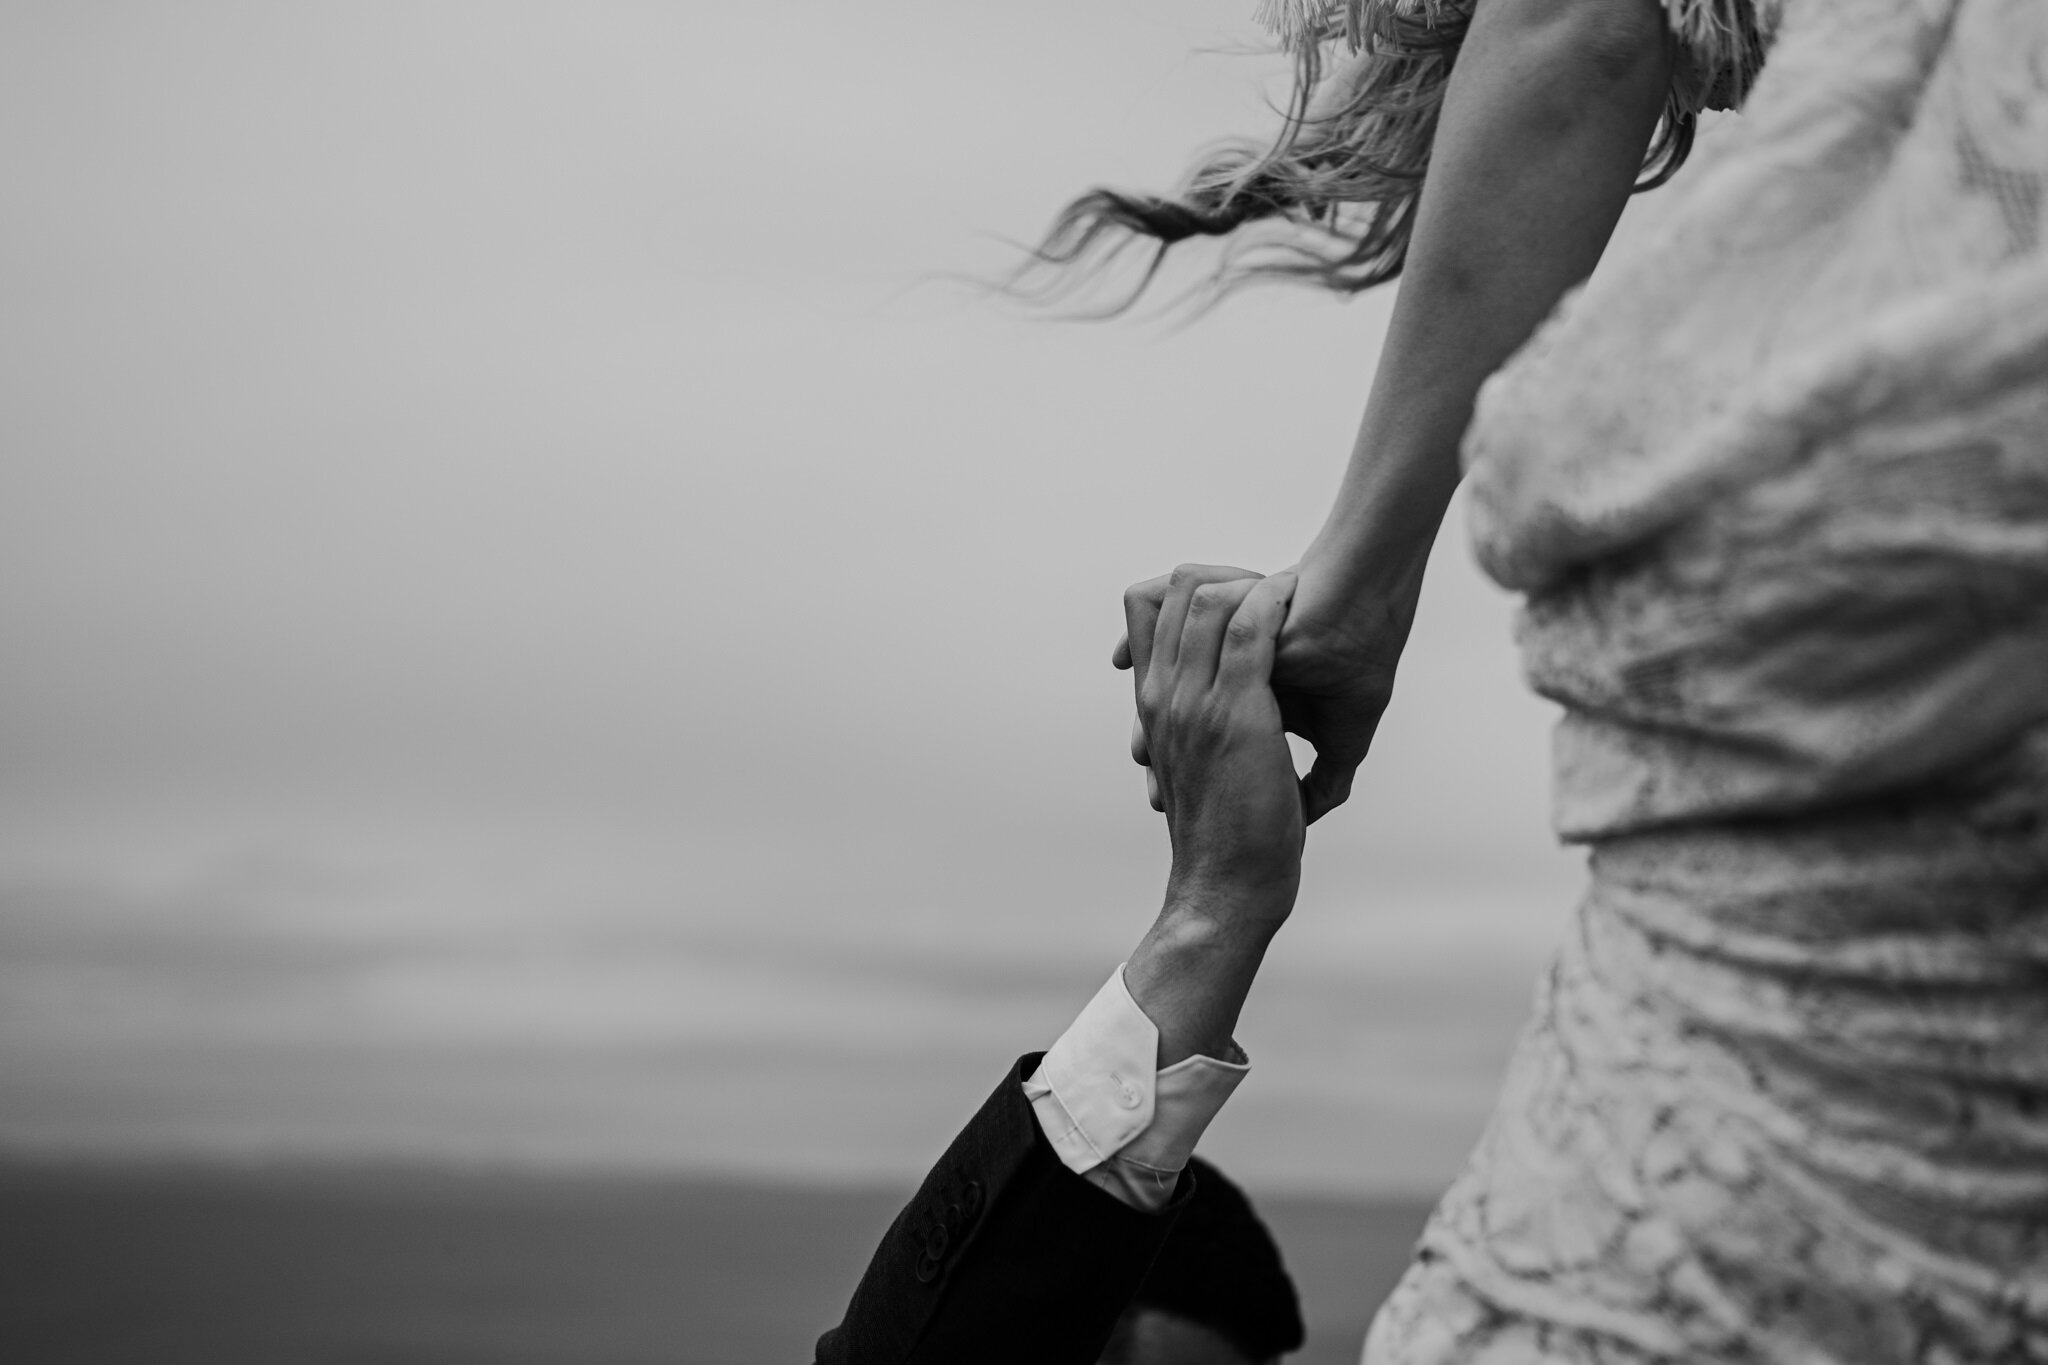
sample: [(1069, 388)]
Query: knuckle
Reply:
[(1203, 714), (1172, 719), (1206, 599), (1184, 574), (1242, 632)]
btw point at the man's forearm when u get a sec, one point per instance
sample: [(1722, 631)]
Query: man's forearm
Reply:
[(1542, 133), (1195, 966)]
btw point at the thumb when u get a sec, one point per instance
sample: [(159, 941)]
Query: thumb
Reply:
[(1327, 785)]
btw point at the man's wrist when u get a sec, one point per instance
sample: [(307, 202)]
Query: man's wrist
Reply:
[(1204, 910), (1192, 970)]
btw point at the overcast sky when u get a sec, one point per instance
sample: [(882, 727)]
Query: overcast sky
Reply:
[(539, 625)]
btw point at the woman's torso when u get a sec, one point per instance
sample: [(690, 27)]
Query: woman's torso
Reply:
[(1776, 486)]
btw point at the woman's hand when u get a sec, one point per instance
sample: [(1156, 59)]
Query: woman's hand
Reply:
[(1333, 672)]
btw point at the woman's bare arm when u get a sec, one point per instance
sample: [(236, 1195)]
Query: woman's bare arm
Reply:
[(1544, 124)]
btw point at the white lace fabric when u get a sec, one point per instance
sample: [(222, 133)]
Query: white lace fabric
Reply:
[(1775, 483)]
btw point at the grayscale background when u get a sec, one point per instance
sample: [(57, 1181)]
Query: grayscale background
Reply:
[(537, 634)]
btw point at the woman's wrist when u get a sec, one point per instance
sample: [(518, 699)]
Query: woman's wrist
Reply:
[(1361, 595), (1365, 565), (1375, 542)]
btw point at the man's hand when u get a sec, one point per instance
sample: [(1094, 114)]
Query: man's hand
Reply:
[(1218, 751), (1225, 780), (1332, 682)]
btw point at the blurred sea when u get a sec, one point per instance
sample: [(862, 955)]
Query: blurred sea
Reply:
[(540, 1004), (209, 1265)]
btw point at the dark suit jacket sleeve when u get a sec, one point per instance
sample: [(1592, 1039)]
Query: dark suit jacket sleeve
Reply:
[(1003, 1255)]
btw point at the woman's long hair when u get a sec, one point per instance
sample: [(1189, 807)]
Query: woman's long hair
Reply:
[(1329, 202)]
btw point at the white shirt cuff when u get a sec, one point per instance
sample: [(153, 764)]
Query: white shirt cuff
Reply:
[(1111, 1114)]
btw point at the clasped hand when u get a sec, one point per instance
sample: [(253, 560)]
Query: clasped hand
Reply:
[(1331, 683), (1220, 766)]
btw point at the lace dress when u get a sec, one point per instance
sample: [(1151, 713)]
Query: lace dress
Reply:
[(1775, 485)]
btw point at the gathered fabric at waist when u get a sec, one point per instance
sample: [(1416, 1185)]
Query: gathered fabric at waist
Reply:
[(1863, 993), (1784, 1097)]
